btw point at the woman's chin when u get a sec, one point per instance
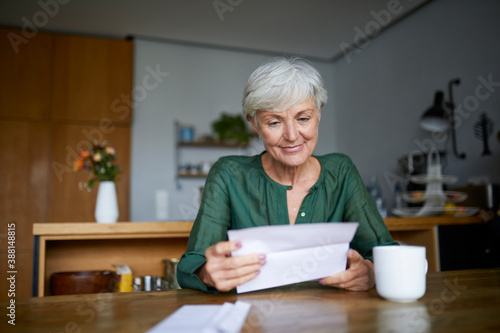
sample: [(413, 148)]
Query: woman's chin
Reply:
[(292, 161)]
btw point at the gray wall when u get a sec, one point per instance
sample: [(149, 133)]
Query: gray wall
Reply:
[(387, 85), (195, 86), (376, 100)]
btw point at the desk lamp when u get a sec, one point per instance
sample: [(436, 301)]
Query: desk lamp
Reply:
[(439, 119)]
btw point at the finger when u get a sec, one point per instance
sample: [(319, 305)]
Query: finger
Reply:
[(338, 280), (355, 278), (226, 285), (216, 264), (237, 272), (225, 278), (356, 284), (249, 259), (223, 248), (341, 279), (353, 258)]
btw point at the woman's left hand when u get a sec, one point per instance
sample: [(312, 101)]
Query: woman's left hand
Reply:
[(359, 275)]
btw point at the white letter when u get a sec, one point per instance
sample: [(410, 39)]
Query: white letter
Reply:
[(383, 16), (221, 8), (15, 40), (51, 7)]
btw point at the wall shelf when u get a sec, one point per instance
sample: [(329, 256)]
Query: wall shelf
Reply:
[(191, 175), (214, 144), (180, 145)]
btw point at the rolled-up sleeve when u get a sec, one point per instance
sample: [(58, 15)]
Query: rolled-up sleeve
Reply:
[(209, 228)]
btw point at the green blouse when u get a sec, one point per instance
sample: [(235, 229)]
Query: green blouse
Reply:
[(239, 194)]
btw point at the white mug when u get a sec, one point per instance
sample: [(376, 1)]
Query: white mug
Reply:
[(400, 272)]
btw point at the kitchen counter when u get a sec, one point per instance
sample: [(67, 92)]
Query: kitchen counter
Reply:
[(399, 223), (63, 247), (423, 231), (144, 245)]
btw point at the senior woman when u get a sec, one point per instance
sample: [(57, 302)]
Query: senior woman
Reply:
[(285, 184)]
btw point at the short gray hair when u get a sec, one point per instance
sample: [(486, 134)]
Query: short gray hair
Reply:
[(282, 83)]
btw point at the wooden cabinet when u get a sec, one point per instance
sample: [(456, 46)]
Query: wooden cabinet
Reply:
[(90, 246), (24, 170), (58, 93), (89, 80), (423, 231), (24, 173), (25, 76)]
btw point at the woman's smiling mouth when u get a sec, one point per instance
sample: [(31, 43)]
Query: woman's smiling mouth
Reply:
[(292, 149)]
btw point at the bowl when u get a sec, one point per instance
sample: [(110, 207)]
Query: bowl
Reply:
[(82, 282)]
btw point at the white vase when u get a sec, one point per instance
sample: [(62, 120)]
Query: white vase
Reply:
[(106, 207)]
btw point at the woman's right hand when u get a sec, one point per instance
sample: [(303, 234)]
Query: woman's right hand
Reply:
[(225, 272)]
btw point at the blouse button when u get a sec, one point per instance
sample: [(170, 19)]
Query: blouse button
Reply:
[(302, 214)]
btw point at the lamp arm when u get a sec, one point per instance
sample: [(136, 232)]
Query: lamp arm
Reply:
[(451, 106)]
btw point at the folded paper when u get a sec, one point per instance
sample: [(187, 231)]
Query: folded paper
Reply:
[(295, 253), (205, 318)]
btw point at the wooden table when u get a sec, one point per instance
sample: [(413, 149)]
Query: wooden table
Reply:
[(143, 245), (455, 301)]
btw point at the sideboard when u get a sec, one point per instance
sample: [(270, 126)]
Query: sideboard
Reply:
[(144, 245)]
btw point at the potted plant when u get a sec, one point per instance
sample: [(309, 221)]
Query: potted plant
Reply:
[(100, 161), (231, 129)]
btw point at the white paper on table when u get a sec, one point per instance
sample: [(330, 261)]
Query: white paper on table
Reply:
[(205, 318), (295, 253)]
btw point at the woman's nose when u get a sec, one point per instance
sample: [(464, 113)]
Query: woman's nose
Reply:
[(290, 131)]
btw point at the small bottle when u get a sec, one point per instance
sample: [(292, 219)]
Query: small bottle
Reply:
[(398, 196), (376, 194), (380, 207), (373, 189)]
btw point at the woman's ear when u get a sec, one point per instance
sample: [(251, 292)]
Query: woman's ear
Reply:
[(254, 125)]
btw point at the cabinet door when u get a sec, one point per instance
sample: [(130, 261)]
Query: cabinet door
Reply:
[(25, 78), (23, 194), (92, 79), (69, 203), (24, 170)]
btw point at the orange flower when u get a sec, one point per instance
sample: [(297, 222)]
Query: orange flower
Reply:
[(84, 154), (110, 150), (78, 165), (99, 160)]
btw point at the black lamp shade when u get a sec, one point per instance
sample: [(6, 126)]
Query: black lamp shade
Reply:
[(435, 119)]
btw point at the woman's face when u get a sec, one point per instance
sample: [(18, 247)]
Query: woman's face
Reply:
[(289, 136)]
